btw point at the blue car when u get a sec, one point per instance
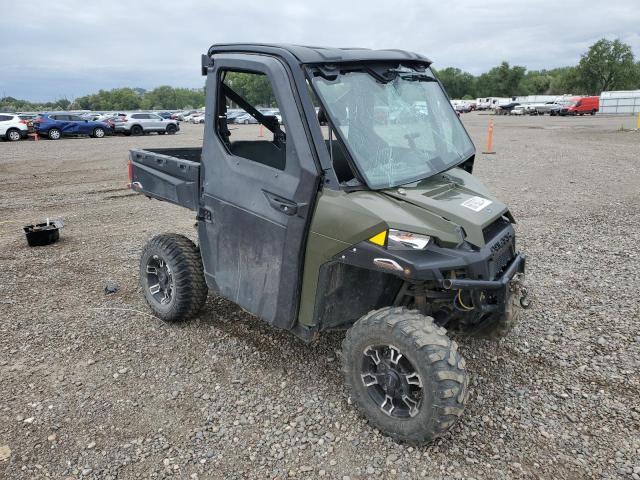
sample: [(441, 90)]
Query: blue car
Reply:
[(56, 125)]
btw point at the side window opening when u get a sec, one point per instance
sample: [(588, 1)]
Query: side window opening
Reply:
[(249, 122)]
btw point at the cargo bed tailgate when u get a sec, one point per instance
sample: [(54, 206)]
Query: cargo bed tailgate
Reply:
[(170, 174)]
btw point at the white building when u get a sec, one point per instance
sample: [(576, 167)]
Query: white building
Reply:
[(625, 102)]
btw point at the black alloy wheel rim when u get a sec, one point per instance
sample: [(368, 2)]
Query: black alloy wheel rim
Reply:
[(159, 280), (392, 382)]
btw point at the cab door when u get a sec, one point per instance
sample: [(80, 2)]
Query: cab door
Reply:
[(258, 187)]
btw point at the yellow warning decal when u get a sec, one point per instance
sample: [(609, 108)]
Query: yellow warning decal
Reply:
[(379, 239)]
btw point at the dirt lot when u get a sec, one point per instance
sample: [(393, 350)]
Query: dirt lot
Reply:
[(92, 386)]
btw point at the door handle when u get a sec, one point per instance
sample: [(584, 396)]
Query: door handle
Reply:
[(283, 205)]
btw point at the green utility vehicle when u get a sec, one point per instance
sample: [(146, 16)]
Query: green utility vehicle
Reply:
[(352, 206)]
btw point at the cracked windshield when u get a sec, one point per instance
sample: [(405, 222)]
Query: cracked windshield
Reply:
[(397, 131)]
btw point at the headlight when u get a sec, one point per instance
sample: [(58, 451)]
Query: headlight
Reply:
[(399, 240)]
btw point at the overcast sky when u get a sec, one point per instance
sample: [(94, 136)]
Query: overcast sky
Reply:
[(73, 47)]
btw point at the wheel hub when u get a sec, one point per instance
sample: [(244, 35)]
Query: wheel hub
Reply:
[(159, 280), (392, 382)]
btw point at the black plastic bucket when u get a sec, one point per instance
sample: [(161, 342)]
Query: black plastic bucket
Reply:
[(43, 233)]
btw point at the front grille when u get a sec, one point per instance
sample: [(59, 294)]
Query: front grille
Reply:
[(502, 251), (494, 228)]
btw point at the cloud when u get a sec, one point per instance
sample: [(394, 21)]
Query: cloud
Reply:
[(79, 47)]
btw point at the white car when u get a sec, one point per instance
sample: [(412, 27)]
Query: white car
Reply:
[(140, 123), (197, 118), (12, 127), (518, 110)]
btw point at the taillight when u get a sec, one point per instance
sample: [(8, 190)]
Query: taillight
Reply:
[(23, 122), (130, 172)]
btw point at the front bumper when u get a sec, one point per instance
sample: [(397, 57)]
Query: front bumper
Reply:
[(495, 270), (517, 265)]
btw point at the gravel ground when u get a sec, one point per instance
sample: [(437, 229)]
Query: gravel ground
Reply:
[(92, 386)]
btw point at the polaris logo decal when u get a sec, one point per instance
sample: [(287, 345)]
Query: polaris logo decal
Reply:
[(476, 203), (496, 247)]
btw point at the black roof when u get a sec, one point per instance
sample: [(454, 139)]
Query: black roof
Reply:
[(307, 54)]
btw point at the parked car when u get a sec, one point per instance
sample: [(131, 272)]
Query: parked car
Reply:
[(541, 108), (197, 118), (92, 116), (28, 118), (138, 123), (558, 106), (273, 112), (245, 119), (506, 108), (57, 125), (518, 110), (232, 115), (184, 116), (115, 122), (581, 105), (461, 106), (165, 115), (12, 127)]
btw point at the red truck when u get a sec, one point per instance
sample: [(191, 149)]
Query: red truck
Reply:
[(581, 105)]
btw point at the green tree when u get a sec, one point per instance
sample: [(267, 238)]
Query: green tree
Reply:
[(565, 80), (608, 65), (457, 83), (501, 81), (536, 82), (255, 88)]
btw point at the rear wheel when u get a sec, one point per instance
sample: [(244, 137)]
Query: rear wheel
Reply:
[(404, 374), (98, 132), (172, 277), (13, 135), (137, 130), (54, 134), (171, 129)]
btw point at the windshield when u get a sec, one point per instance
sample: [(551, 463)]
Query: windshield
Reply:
[(397, 131)]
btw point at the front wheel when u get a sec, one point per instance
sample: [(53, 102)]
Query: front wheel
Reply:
[(54, 134), (593, 112), (171, 129), (172, 277), (404, 374), (98, 133)]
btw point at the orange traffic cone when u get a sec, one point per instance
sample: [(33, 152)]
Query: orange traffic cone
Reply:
[(490, 150)]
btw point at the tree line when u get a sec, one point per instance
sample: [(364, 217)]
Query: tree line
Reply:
[(607, 65), (160, 98)]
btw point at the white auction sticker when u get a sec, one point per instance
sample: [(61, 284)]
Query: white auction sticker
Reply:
[(476, 203)]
